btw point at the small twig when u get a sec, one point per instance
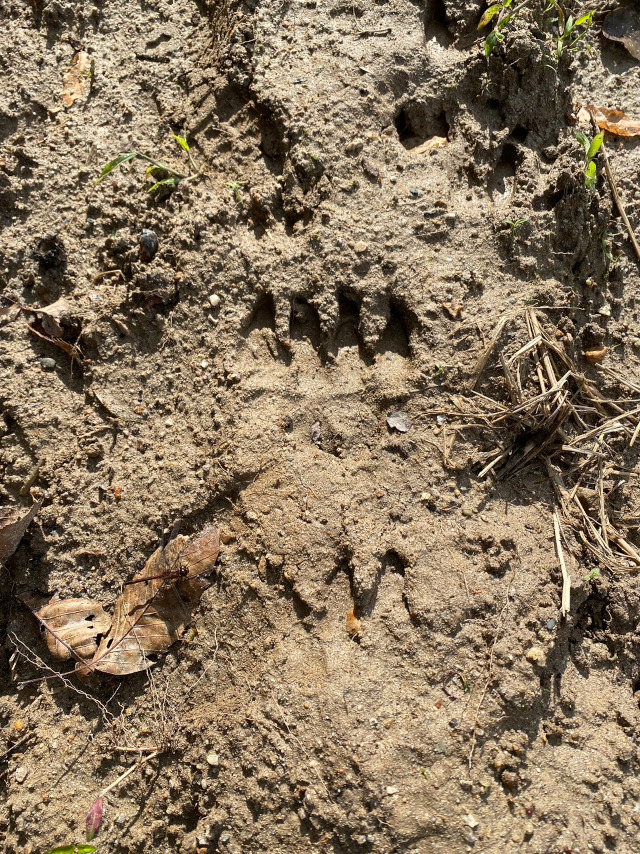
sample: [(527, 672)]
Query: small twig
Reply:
[(17, 744), (484, 357), (566, 578), (616, 194), (124, 776)]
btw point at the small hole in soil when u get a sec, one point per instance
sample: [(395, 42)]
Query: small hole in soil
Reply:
[(417, 122), (519, 133), (348, 322), (395, 338), (436, 25), (393, 562), (305, 322), (263, 315), (502, 180)]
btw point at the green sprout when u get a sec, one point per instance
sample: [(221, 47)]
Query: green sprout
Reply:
[(570, 32), (165, 179), (514, 225), (73, 849), (594, 575), (235, 187), (591, 148), (503, 15)]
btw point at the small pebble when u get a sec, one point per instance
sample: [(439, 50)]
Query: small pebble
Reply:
[(214, 300), (537, 656), (361, 247), (399, 421), (551, 625), (148, 245), (48, 364), (21, 774), (392, 790), (414, 192), (213, 759)]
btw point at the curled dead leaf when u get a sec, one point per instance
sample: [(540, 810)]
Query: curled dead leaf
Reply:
[(596, 355), (149, 616), (73, 80), (69, 349), (453, 309), (156, 606), (614, 121), (72, 627), (53, 317), (13, 524)]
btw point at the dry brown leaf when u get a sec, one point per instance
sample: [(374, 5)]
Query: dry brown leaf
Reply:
[(53, 316), (13, 524), (614, 121), (72, 627), (73, 80), (453, 309), (430, 145), (156, 606), (68, 348), (8, 313), (596, 355), (352, 624)]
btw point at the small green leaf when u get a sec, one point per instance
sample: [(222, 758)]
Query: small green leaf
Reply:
[(582, 139), (160, 171), (568, 26), (492, 40), (590, 175), (489, 14), (594, 148), (585, 19), (184, 145), (168, 183), (111, 165), (73, 849)]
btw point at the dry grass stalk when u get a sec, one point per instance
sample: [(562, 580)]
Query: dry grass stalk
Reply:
[(566, 578), (551, 411)]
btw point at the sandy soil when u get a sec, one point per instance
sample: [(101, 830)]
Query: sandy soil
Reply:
[(379, 663)]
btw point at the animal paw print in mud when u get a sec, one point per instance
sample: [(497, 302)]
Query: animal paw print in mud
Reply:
[(332, 513)]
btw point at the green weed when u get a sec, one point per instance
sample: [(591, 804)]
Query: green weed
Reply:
[(591, 148), (514, 225), (165, 179), (503, 14), (235, 187), (73, 849), (569, 31), (594, 575)]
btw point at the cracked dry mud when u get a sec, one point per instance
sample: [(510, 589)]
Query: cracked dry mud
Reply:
[(325, 698)]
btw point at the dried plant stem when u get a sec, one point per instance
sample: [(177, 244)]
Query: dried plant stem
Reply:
[(616, 195), (566, 578), (129, 771)]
